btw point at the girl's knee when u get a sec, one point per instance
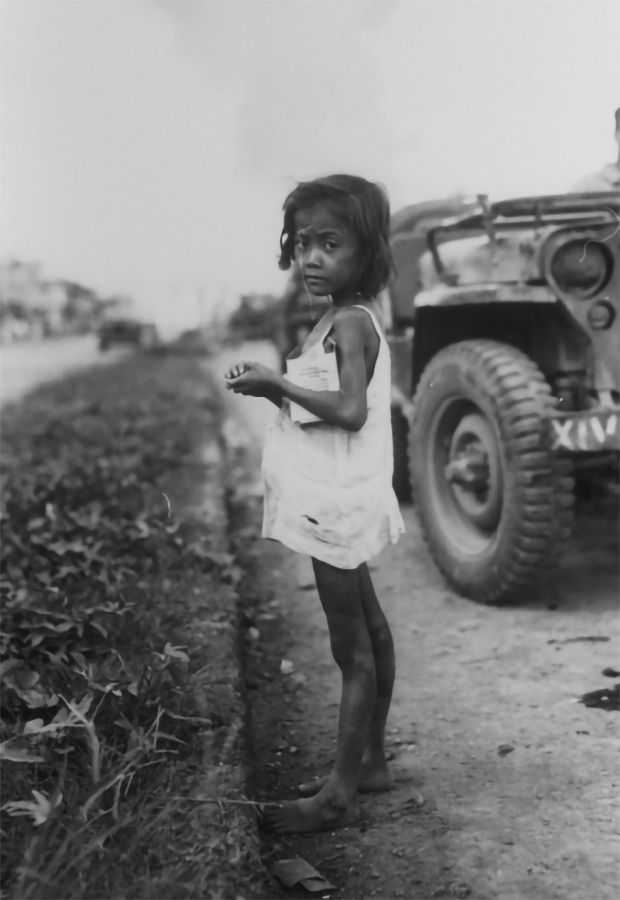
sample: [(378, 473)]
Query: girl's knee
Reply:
[(382, 638), (352, 656)]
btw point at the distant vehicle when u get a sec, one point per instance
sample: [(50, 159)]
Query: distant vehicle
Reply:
[(255, 318), (133, 332), (506, 376)]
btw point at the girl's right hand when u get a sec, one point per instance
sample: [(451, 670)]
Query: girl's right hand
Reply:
[(254, 380), (236, 371)]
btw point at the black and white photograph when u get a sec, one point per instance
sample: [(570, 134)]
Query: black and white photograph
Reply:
[(309, 449)]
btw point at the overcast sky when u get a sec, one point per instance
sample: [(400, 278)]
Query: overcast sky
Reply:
[(147, 145)]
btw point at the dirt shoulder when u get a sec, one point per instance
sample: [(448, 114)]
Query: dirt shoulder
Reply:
[(519, 780), (126, 715)]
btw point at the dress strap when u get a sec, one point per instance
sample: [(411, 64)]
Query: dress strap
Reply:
[(373, 318), (319, 332), (326, 323)]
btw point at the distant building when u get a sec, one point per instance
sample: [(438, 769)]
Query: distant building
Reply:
[(20, 300), (256, 316), (54, 299), (82, 308), (20, 283), (33, 307)]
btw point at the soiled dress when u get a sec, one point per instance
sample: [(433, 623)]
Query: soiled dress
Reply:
[(328, 491)]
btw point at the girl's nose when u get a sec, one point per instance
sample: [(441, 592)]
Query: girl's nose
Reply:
[(313, 256)]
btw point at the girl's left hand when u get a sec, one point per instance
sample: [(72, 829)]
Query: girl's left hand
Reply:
[(252, 379)]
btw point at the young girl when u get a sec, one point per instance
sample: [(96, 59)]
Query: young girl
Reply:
[(328, 484)]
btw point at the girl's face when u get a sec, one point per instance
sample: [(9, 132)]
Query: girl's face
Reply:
[(327, 252)]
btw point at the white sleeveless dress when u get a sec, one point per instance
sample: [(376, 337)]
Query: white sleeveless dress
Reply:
[(328, 491)]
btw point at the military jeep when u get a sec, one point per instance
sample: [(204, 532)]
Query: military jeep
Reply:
[(506, 375)]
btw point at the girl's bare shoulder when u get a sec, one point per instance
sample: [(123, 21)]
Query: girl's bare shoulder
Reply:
[(348, 329), (351, 317), (354, 323)]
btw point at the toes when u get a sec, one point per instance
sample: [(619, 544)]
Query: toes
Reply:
[(310, 788), (306, 789)]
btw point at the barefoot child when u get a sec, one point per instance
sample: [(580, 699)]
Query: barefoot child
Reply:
[(328, 483)]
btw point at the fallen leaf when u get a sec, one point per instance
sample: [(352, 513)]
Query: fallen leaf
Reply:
[(33, 725), (610, 672), (175, 652), (26, 678), (297, 871), (459, 889), (504, 749), (287, 667), (607, 698), (39, 809), (414, 801), (18, 754)]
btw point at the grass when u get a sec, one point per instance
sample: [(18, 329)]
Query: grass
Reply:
[(120, 697)]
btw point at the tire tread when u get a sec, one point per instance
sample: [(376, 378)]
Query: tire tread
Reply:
[(541, 517)]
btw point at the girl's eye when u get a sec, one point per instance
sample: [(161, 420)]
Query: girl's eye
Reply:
[(330, 245)]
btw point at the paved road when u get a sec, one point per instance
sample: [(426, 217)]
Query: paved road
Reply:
[(521, 783), (24, 366)]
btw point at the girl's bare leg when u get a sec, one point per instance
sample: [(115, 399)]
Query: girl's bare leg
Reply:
[(374, 774), (335, 802)]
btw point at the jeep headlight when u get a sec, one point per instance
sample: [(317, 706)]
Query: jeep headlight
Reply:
[(581, 267)]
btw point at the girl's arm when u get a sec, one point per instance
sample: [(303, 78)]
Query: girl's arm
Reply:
[(345, 408), (254, 380)]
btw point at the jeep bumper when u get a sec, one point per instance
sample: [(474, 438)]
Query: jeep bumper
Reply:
[(587, 431)]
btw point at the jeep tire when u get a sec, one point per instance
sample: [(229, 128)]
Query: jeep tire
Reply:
[(494, 502)]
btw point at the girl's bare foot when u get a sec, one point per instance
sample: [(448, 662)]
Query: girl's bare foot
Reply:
[(375, 779), (318, 813)]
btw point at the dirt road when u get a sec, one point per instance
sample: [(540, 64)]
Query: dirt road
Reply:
[(23, 366), (519, 781)]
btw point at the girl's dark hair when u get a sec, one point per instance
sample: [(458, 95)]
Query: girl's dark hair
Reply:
[(365, 209)]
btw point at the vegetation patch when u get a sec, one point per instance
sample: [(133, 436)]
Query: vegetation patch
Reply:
[(118, 640)]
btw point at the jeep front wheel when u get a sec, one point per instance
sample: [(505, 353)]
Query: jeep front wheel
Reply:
[(494, 501)]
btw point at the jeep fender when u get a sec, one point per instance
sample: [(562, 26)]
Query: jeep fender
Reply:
[(544, 331)]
